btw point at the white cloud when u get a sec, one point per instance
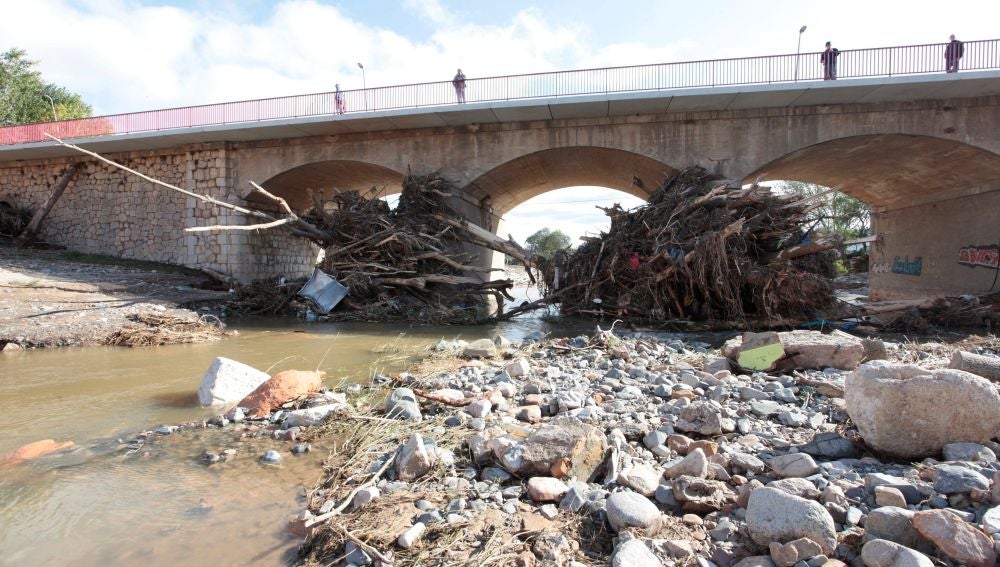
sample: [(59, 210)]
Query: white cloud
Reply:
[(431, 10), (123, 56)]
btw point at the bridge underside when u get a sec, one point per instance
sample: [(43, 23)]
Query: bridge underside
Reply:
[(333, 176), (518, 180), (889, 171)]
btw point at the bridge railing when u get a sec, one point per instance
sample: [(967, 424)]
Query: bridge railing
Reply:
[(851, 64)]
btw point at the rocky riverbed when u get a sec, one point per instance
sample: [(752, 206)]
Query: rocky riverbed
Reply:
[(633, 451)]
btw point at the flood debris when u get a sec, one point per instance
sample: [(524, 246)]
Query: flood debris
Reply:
[(152, 329), (417, 262), (703, 248), (928, 314), (324, 291)]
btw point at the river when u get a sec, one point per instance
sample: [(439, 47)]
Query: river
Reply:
[(98, 505)]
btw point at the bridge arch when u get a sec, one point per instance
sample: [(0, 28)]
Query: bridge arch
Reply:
[(889, 171), (515, 181), (330, 175)]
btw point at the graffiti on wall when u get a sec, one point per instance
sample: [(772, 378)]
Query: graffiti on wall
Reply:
[(899, 265), (973, 256), (906, 267)]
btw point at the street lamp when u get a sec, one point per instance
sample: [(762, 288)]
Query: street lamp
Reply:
[(54, 117), (364, 83), (797, 50)]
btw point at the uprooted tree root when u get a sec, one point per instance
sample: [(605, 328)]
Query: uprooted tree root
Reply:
[(153, 329), (702, 249)]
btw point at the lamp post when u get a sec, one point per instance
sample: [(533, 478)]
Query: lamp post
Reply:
[(798, 48), (364, 83), (54, 117)]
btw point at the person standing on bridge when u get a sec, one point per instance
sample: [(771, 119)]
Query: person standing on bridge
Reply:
[(459, 83), (338, 99), (952, 53), (829, 61)]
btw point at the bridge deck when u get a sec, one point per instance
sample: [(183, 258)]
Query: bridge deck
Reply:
[(904, 88)]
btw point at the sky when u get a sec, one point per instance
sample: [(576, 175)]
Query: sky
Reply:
[(131, 55)]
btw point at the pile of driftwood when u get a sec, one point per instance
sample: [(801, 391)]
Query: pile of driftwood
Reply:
[(153, 329), (924, 316), (702, 249), (416, 262)]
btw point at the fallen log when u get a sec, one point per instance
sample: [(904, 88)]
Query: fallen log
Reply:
[(986, 366), (489, 240), (818, 245)]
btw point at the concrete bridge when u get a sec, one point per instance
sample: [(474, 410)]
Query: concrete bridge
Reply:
[(923, 150)]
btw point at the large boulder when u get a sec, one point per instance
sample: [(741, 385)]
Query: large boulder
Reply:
[(227, 382), (907, 412), (798, 349), (563, 448), (483, 348), (283, 387), (812, 349), (774, 515)]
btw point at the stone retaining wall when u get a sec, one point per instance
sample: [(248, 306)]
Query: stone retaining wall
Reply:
[(107, 211)]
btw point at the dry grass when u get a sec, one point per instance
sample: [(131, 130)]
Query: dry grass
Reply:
[(152, 329)]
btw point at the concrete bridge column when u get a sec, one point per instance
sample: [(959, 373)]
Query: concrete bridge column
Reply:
[(937, 248)]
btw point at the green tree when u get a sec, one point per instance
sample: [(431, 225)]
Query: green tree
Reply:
[(547, 242), (839, 214), (25, 96)]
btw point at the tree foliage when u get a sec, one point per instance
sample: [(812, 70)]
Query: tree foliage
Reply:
[(24, 95), (547, 242), (840, 213)]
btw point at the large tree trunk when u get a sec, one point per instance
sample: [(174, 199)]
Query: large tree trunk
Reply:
[(29, 232)]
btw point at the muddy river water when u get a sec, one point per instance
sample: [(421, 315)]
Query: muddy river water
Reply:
[(98, 505)]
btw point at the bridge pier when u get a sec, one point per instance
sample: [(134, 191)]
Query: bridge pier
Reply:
[(931, 249)]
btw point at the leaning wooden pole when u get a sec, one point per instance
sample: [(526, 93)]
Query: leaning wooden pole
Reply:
[(29, 232)]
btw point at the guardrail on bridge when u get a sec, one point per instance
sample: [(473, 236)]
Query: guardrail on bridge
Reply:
[(769, 69)]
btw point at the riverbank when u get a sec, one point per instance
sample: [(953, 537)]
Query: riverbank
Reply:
[(640, 450), (54, 298)]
